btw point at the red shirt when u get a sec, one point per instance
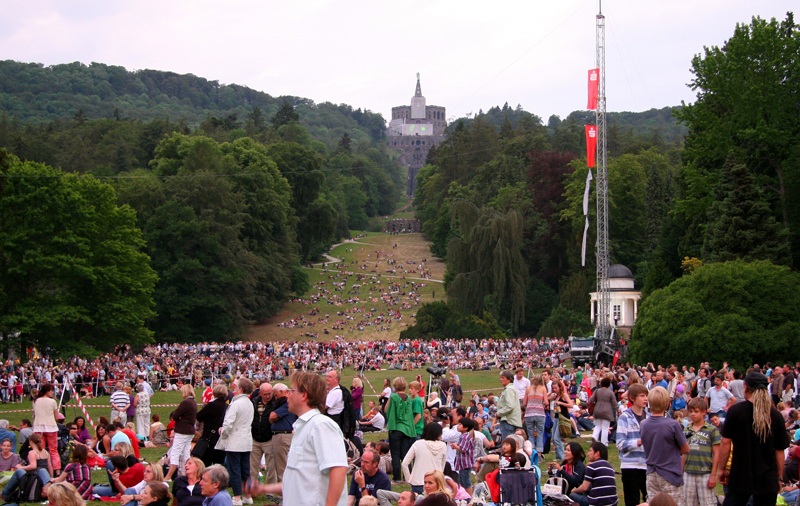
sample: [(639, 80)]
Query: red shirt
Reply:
[(133, 476), (134, 441)]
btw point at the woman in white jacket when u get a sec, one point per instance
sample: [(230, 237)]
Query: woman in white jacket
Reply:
[(428, 454), (236, 438)]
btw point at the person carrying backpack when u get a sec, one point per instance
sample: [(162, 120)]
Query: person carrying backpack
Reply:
[(39, 467)]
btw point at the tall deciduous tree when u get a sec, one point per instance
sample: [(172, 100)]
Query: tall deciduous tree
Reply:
[(73, 276), (740, 312), (486, 261), (746, 105)]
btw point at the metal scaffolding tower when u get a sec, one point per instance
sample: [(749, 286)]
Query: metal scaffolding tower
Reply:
[(602, 319)]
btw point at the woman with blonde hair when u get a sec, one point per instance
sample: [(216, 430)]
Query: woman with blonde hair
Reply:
[(186, 489), (357, 392), (184, 416), (132, 495), (535, 401), (64, 494), (437, 493)]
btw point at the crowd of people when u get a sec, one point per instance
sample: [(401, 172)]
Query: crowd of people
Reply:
[(678, 431), (169, 366)]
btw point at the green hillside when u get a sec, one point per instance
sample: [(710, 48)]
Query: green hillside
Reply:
[(33, 93)]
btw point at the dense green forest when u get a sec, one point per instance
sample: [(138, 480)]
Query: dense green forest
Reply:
[(655, 126), (31, 93), (505, 184), (199, 232)]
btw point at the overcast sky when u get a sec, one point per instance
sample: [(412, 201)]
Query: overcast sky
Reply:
[(366, 53)]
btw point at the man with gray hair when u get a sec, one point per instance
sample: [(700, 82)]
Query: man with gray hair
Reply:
[(213, 486), (262, 435), (8, 434), (119, 404), (282, 422)]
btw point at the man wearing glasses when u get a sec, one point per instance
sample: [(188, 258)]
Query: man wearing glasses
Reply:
[(316, 467)]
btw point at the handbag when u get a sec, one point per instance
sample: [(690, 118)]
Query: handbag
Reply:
[(201, 447), (564, 427)]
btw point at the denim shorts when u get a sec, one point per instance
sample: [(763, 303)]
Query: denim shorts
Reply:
[(464, 478)]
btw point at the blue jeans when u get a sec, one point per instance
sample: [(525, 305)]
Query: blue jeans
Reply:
[(506, 429), (130, 491), (464, 478), (105, 491), (790, 497), (536, 424), (238, 466), (417, 489), (556, 440), (12, 484), (581, 499)]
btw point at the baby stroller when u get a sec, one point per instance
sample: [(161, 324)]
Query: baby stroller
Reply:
[(520, 486)]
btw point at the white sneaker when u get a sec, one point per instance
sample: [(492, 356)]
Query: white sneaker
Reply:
[(237, 503), (246, 500)]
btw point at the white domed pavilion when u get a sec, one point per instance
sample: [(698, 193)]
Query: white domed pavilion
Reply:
[(624, 305)]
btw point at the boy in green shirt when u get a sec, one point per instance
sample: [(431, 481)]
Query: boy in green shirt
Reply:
[(417, 406), (700, 464)]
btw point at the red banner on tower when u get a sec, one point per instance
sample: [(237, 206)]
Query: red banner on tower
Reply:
[(594, 79), (591, 144)]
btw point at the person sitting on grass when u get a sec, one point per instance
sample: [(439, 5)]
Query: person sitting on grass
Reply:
[(155, 494), (437, 493), (133, 495), (8, 459), (572, 468), (38, 461), (123, 477), (64, 494), (77, 473), (599, 487), (375, 423)]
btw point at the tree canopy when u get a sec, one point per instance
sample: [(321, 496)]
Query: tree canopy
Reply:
[(736, 311), (73, 273)]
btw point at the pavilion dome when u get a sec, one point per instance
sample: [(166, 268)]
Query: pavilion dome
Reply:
[(619, 271)]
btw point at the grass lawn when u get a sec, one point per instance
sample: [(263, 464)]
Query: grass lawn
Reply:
[(360, 257)]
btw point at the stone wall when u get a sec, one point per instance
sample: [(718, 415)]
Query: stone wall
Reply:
[(407, 225)]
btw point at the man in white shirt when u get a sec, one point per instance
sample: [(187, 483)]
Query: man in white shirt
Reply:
[(521, 384), (316, 467), (334, 402)]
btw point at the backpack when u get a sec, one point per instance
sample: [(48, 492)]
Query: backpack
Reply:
[(29, 489), (348, 414)]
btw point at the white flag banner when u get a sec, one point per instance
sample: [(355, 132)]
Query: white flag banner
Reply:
[(583, 245), (586, 193)]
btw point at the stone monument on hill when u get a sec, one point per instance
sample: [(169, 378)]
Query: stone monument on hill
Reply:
[(413, 130)]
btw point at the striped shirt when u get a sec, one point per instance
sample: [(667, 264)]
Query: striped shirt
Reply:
[(119, 398), (535, 405), (700, 448), (80, 476), (603, 488), (631, 453), (465, 456)]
